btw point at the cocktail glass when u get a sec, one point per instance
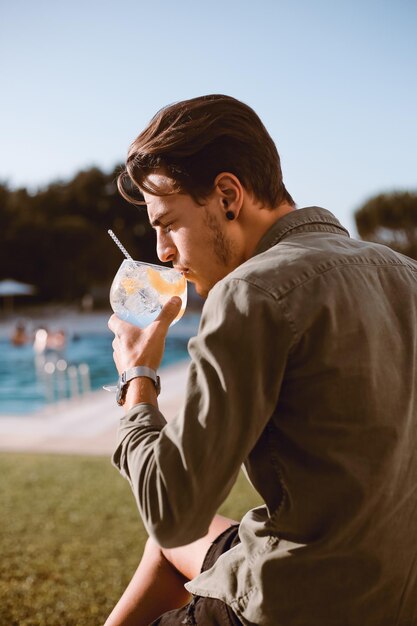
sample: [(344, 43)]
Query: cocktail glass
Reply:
[(140, 290)]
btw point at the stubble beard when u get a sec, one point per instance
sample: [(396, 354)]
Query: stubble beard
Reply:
[(222, 246), (223, 251)]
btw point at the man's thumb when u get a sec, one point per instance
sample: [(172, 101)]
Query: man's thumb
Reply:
[(170, 311)]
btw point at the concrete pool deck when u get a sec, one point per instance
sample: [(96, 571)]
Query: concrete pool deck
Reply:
[(83, 426)]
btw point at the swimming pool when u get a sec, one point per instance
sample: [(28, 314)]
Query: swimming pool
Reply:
[(25, 385)]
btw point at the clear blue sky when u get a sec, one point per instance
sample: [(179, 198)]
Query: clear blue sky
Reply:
[(334, 82)]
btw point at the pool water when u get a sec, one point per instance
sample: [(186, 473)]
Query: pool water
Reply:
[(25, 385)]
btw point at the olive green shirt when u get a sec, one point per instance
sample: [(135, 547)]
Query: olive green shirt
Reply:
[(304, 370)]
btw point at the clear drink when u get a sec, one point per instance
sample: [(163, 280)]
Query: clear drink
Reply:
[(140, 290)]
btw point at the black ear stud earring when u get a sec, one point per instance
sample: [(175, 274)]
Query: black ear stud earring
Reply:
[(229, 214)]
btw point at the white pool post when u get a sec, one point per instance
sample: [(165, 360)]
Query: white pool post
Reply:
[(73, 381), (61, 368), (49, 370), (84, 371)]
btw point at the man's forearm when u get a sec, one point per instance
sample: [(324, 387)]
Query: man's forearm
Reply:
[(140, 389)]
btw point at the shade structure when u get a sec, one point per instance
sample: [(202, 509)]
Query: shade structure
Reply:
[(10, 288)]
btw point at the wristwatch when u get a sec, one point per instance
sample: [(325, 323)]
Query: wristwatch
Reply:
[(130, 374)]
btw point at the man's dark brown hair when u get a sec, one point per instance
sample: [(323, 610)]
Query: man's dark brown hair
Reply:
[(195, 140)]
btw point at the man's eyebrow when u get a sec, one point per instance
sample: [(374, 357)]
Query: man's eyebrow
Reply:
[(157, 220)]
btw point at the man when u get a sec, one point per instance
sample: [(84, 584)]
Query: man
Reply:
[(304, 370)]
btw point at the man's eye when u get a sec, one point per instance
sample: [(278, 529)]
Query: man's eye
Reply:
[(166, 228)]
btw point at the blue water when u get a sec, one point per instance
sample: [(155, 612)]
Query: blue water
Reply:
[(24, 387)]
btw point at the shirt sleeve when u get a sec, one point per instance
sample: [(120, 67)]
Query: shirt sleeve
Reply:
[(181, 472)]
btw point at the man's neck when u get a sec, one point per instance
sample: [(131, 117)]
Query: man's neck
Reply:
[(259, 221)]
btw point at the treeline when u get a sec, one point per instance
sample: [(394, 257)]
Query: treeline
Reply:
[(56, 239)]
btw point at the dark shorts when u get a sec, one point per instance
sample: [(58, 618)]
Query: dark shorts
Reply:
[(206, 611)]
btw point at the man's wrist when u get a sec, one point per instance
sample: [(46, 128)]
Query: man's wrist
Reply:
[(140, 390), (131, 374)]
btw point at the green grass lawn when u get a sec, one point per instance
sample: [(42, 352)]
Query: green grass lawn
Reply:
[(71, 538)]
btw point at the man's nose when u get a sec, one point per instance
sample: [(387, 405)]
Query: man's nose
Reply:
[(165, 249)]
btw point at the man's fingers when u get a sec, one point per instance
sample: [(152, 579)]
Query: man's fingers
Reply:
[(169, 312), (113, 323), (118, 326), (133, 346)]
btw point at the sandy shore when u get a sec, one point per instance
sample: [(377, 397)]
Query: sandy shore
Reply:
[(83, 426)]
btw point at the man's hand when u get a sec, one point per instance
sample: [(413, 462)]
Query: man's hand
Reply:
[(135, 346)]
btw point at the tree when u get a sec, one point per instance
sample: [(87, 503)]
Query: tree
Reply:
[(390, 219), (57, 237)]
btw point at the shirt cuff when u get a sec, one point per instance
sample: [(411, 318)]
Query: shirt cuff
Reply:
[(141, 422), (143, 414)]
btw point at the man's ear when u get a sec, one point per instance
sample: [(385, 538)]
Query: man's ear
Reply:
[(231, 194)]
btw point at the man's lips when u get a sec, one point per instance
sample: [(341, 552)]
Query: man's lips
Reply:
[(183, 270)]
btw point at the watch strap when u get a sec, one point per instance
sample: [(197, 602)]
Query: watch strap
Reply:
[(136, 372), (140, 370)]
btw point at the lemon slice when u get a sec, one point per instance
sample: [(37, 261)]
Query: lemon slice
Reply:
[(130, 285), (162, 286)]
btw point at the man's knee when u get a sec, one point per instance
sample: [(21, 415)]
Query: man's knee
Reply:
[(154, 549), (177, 558), (168, 555)]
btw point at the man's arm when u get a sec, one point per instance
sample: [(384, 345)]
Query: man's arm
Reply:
[(181, 472)]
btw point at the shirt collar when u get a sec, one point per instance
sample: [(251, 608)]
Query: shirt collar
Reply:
[(316, 217)]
